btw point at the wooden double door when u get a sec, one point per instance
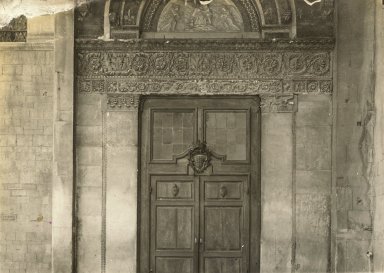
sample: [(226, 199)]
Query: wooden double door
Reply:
[(199, 189)]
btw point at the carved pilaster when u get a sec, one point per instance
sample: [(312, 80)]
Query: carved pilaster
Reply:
[(278, 103), (122, 102)]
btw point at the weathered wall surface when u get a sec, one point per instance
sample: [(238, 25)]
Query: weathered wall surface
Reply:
[(26, 105), (313, 165), (354, 134), (378, 228), (106, 186)]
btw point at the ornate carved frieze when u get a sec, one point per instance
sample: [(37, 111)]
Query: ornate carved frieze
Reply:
[(219, 70), (277, 103), (203, 87), (207, 87), (122, 102), (308, 86), (207, 65)]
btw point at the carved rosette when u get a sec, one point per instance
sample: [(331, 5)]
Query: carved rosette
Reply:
[(208, 65), (122, 102), (150, 69)]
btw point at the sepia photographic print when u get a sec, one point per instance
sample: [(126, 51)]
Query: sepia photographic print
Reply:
[(191, 136)]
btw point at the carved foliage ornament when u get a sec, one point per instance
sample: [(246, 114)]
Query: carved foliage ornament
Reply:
[(122, 102), (277, 103), (207, 65), (206, 87)]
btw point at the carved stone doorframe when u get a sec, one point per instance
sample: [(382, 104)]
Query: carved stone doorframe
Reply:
[(116, 74)]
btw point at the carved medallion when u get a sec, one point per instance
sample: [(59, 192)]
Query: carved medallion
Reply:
[(199, 157)]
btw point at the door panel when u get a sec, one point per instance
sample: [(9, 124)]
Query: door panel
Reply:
[(222, 265), (174, 212), (174, 228), (224, 224), (172, 132), (223, 228), (174, 265), (226, 132), (192, 221)]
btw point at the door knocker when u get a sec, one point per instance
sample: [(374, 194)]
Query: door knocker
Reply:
[(223, 191), (175, 190)]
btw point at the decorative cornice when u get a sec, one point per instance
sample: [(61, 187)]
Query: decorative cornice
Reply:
[(206, 44)]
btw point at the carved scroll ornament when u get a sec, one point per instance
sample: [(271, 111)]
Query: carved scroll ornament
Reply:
[(207, 65)]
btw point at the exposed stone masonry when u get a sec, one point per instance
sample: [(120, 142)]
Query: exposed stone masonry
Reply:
[(26, 85)]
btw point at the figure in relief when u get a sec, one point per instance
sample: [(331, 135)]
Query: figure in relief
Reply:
[(123, 13), (192, 16)]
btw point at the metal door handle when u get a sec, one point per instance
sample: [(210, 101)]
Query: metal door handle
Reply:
[(195, 240), (201, 240)]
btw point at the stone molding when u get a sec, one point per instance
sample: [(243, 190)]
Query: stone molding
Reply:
[(268, 103), (228, 44), (203, 87)]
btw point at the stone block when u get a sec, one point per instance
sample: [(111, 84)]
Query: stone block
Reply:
[(344, 198), (312, 232), (121, 209), (41, 140), (342, 220), (89, 136), (89, 226), (89, 250), (10, 70), (313, 148), (18, 193), (89, 176), (122, 128), (44, 153), (359, 220), (24, 140), (89, 115), (313, 181), (91, 156), (314, 110), (361, 199), (312, 255), (276, 180), (357, 260), (89, 99), (37, 113), (89, 201)]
